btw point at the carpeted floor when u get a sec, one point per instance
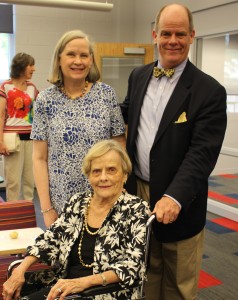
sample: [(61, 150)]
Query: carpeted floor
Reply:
[(219, 275), (224, 188)]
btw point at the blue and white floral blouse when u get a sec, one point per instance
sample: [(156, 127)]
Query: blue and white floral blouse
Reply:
[(71, 128)]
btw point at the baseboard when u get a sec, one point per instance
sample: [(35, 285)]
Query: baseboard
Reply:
[(223, 210)]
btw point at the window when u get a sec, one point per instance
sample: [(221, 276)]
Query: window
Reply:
[(6, 40), (218, 56), (6, 52)]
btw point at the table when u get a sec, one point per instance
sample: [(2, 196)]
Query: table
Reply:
[(26, 237)]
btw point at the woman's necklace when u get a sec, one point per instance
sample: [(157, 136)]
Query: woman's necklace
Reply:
[(83, 91), (86, 221), (80, 251), (85, 227)]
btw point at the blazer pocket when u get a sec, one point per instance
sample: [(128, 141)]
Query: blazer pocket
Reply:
[(182, 118)]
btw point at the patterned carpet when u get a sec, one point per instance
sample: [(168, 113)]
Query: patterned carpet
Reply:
[(224, 188), (219, 275)]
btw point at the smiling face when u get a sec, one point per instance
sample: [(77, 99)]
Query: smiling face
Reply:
[(75, 60), (173, 37), (106, 176)]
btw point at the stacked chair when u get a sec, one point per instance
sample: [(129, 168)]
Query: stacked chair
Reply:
[(15, 215)]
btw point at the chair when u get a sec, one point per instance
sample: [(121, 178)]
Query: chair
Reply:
[(100, 290), (14, 215), (17, 215)]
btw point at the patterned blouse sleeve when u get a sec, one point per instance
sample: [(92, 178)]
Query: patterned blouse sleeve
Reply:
[(117, 122), (40, 120), (127, 255), (47, 244), (53, 245)]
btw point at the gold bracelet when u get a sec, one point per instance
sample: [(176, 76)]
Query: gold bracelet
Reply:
[(104, 280), (43, 211)]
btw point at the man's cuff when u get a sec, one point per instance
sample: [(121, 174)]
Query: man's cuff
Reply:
[(173, 200)]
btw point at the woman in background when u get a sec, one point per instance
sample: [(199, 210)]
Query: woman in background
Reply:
[(16, 115), (70, 117)]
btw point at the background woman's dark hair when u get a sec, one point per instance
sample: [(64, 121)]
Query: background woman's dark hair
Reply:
[(19, 63)]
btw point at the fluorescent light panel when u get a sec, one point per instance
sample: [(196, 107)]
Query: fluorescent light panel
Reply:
[(99, 6)]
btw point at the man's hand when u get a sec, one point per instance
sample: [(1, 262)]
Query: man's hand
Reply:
[(166, 210)]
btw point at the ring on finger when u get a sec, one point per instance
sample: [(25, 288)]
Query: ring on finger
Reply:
[(59, 290)]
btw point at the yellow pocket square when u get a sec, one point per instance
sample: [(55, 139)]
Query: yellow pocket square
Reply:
[(182, 118)]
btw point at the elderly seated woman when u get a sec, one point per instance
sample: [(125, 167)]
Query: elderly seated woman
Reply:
[(98, 239)]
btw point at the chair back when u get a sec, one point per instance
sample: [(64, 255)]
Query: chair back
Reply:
[(17, 215)]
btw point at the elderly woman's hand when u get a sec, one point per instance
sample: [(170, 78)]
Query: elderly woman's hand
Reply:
[(65, 287), (12, 287)]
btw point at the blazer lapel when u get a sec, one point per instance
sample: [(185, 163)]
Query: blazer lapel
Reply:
[(176, 100)]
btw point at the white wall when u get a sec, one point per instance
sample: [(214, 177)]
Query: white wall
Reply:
[(38, 29), (146, 11)]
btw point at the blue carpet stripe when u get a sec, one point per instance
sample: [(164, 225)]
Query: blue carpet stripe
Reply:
[(217, 228), (235, 196)]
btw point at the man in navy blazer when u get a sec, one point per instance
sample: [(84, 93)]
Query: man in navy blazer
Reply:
[(176, 127)]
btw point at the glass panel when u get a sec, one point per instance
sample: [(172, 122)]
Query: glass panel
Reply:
[(116, 71), (218, 57), (6, 52)]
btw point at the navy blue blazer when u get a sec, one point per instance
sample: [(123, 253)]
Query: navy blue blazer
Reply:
[(183, 154)]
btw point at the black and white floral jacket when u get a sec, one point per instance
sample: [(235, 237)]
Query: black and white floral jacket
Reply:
[(120, 245)]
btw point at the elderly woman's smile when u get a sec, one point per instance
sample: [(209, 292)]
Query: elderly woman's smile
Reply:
[(107, 177)]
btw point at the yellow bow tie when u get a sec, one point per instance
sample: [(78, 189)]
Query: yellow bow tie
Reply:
[(158, 72)]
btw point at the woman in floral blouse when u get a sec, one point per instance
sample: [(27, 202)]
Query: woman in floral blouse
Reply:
[(16, 115), (98, 239), (71, 115)]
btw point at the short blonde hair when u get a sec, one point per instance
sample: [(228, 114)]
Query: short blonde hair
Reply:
[(56, 76), (102, 148)]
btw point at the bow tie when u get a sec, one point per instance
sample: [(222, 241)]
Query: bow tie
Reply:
[(158, 72)]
